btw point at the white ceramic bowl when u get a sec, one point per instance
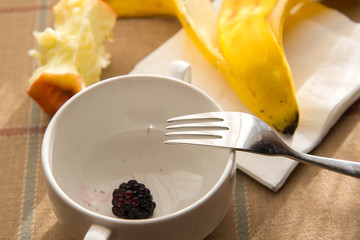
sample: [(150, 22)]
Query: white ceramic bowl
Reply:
[(113, 131)]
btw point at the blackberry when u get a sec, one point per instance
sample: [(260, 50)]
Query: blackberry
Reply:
[(132, 200)]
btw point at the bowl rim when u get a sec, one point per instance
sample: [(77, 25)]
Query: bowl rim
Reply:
[(46, 153)]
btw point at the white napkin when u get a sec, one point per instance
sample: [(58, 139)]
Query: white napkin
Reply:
[(324, 54)]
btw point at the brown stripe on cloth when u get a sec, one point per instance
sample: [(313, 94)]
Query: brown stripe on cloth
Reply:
[(9, 10), (22, 131)]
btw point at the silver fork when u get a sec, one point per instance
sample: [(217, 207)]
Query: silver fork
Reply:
[(245, 132)]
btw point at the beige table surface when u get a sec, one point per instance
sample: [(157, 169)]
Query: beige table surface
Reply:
[(313, 203)]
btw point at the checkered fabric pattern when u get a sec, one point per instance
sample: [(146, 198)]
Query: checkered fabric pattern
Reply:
[(313, 204)]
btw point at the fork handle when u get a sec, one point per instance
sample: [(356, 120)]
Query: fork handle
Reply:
[(341, 166)]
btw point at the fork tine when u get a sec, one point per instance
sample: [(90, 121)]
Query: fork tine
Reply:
[(198, 116), (203, 142), (203, 134), (202, 125)]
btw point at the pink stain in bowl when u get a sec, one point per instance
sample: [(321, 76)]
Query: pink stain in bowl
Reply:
[(93, 198)]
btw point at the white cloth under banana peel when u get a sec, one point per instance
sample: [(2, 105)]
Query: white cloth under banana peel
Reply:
[(323, 51)]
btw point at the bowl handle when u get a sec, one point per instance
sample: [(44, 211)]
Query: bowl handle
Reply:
[(180, 70), (97, 232)]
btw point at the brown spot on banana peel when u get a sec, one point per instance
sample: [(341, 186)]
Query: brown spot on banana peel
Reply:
[(290, 129)]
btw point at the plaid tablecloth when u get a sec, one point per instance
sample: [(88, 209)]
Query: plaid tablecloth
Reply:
[(313, 203)]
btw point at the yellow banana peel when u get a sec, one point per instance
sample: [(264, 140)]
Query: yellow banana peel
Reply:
[(250, 35), (243, 42), (141, 8), (200, 25)]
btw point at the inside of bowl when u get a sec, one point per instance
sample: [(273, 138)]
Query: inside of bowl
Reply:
[(114, 132)]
